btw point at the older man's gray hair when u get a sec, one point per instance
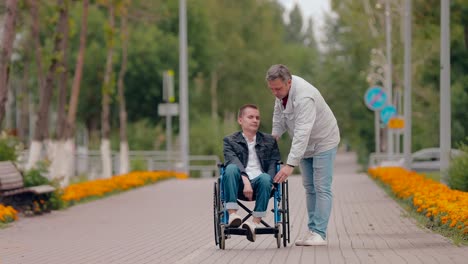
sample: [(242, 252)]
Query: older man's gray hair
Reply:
[(278, 71)]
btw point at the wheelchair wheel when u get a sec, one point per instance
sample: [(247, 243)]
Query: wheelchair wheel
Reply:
[(285, 213), (216, 214), (222, 240), (279, 234)]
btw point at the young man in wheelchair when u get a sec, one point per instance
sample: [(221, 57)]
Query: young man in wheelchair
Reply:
[(250, 158)]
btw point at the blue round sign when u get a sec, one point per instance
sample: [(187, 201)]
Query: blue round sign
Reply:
[(375, 98), (387, 113)]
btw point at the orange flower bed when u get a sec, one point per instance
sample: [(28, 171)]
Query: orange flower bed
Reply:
[(7, 214), (100, 187), (433, 199)]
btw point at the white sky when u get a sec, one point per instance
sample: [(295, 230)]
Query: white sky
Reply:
[(311, 8)]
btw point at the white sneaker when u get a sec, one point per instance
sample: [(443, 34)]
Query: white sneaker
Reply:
[(250, 230), (234, 220), (311, 239)]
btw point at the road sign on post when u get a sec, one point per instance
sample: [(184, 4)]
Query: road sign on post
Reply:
[(397, 122), (168, 109), (375, 98), (387, 112), (168, 86)]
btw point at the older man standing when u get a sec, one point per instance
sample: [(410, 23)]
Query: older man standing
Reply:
[(301, 110)]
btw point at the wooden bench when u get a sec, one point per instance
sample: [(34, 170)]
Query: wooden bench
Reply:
[(28, 200)]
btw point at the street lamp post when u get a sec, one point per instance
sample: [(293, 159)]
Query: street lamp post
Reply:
[(407, 77), (445, 120), (388, 67), (183, 82)]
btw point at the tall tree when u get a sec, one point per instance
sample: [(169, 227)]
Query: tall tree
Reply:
[(5, 52), (60, 160), (69, 129), (294, 27), (41, 132), (124, 159), (62, 71), (107, 89), (67, 138)]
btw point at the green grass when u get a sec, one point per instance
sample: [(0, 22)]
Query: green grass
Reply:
[(79, 179), (435, 175), (423, 221)]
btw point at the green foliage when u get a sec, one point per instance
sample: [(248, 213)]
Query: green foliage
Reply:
[(138, 164), (232, 44), (55, 202), (458, 171), (8, 147), (141, 135), (35, 176)]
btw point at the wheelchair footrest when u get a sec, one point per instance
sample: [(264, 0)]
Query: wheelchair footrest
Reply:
[(243, 232), (235, 231), (266, 230)]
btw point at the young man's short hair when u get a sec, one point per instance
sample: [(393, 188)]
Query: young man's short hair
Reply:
[(241, 110)]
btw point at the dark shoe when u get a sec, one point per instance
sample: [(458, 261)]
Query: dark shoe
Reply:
[(250, 227), (234, 220)]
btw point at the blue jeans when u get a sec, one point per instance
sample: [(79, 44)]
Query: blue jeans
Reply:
[(317, 174), (234, 188)]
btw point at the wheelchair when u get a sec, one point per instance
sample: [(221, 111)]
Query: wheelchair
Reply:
[(280, 230)]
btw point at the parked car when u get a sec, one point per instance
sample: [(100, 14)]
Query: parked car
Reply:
[(428, 159), (424, 160)]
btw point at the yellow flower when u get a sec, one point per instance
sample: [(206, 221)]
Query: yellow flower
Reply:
[(427, 196)]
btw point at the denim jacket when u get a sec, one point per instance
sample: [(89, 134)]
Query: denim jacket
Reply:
[(236, 152)]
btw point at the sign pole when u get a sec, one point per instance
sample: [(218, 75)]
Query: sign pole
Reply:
[(377, 131), (375, 99), (445, 121), (183, 82), (388, 75), (407, 81)]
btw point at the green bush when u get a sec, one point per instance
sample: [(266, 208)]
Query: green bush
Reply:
[(8, 147), (35, 177), (141, 135), (138, 164), (458, 171)]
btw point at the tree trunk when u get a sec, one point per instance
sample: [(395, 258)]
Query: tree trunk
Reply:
[(36, 146), (465, 31), (106, 89), (63, 76), (60, 159), (67, 137), (5, 52), (214, 95), (73, 106), (41, 132), (124, 160), (23, 127)]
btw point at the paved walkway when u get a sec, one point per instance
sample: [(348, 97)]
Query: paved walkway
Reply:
[(171, 222)]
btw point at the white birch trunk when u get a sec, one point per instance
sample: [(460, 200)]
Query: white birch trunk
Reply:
[(124, 160), (106, 158), (55, 154), (63, 163), (34, 154), (68, 167)]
